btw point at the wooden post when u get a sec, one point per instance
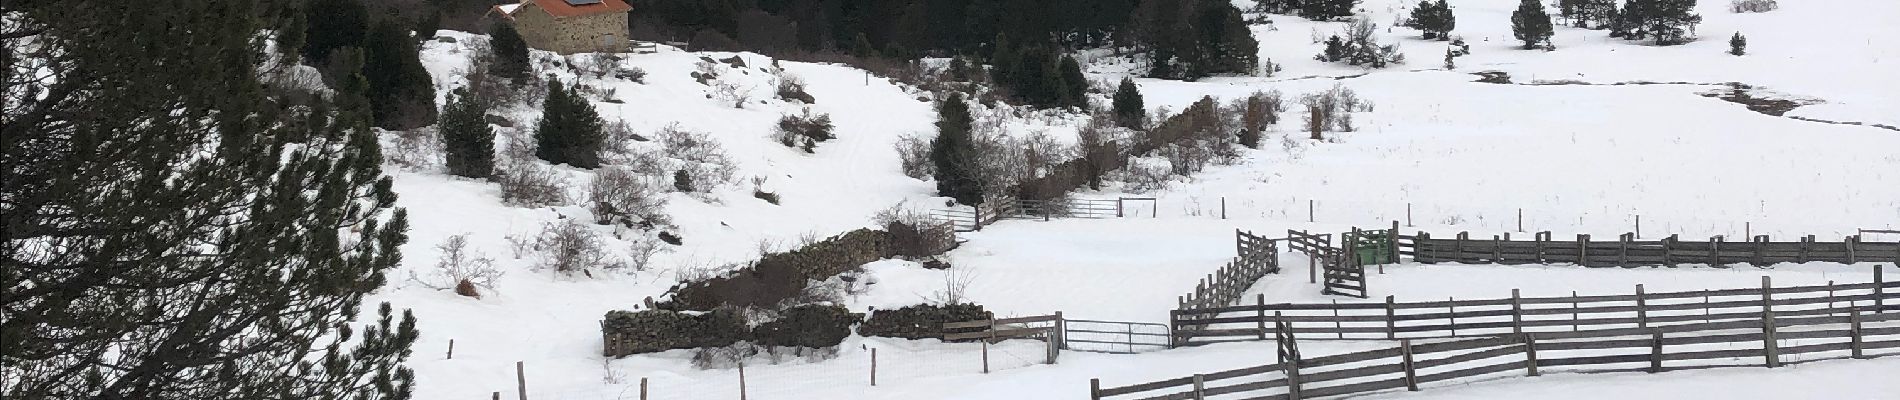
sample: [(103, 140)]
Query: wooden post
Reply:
[(1517, 312), (1639, 226), (1715, 251), (1642, 308), (643, 388), (1806, 242), (495, 396), (521, 381), (1396, 254), (873, 367), (1748, 229), (1656, 352), (1411, 371), (1312, 264), (1830, 297), (1851, 240), (1583, 250), (1260, 314), (742, 379), (1574, 324), (1309, 210), (1199, 387), (1668, 245), (1292, 370), (1770, 352), (1540, 237), (1223, 207), (1520, 220), (1853, 333), (1337, 325), (451, 355), (986, 356), (1095, 389), (1458, 250), (1391, 320), (1408, 214), (1530, 354), (1623, 250), (1452, 306), (1880, 291)]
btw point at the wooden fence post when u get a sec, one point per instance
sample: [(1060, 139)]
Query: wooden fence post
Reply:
[(1639, 226), (1520, 219), (1292, 371), (1391, 320), (1853, 332), (1223, 207), (1458, 251), (1623, 250), (1656, 352), (1642, 308), (521, 381), (1574, 322), (1451, 304), (1517, 312), (1199, 387), (1260, 314), (873, 367), (1769, 350), (1309, 210), (986, 356), (1715, 251), (1850, 242), (643, 388), (1095, 389), (1411, 371), (495, 396), (1338, 325), (1583, 250), (1542, 237), (742, 379), (1669, 245), (1530, 354), (1880, 290), (451, 355)]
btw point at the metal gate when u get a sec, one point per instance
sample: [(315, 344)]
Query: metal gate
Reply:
[(1113, 337)]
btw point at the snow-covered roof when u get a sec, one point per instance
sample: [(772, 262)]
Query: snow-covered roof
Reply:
[(508, 8)]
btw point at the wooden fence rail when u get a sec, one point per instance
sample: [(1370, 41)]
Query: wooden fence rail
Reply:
[(1045, 327), (1626, 251), (1516, 314), (1256, 257), (1768, 340)]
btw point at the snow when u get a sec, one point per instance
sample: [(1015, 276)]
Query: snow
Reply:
[(1460, 155)]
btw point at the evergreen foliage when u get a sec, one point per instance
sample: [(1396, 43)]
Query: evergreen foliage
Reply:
[(467, 140), (510, 54), (1358, 48), (1039, 76), (1434, 19), (176, 232), (401, 94), (1668, 22), (1737, 45), (1128, 108), (1193, 39), (333, 24), (1529, 24), (953, 153), (1325, 10), (570, 131)]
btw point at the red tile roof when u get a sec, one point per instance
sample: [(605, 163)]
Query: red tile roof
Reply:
[(560, 8)]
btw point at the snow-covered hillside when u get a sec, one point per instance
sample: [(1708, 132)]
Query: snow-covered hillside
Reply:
[(1464, 155)]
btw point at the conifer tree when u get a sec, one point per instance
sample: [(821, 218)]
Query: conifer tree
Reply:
[(332, 24), (175, 231), (1434, 19), (510, 54), (570, 131), (1128, 108), (1737, 45), (1074, 84), (401, 94), (953, 153), (467, 140), (1530, 24)]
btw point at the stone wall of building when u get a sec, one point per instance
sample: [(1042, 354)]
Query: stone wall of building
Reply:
[(583, 34)]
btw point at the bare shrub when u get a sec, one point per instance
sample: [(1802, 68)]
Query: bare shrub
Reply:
[(1752, 6), (1332, 110), (733, 93), (806, 129), (461, 269), (722, 357), (640, 252), (792, 88), (635, 74), (913, 233), (913, 155), (530, 184), (620, 196), (570, 246), (701, 159), (1146, 174), (597, 65), (417, 149), (956, 287)]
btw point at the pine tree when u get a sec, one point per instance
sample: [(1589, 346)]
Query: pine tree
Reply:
[(1075, 85), (291, 34), (401, 94), (1737, 45), (1669, 21), (1433, 19), (333, 24), (510, 54), (953, 153), (467, 140), (1128, 108), (1530, 24), (173, 230), (570, 131)]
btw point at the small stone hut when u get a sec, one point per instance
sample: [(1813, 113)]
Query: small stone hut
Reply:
[(569, 26)]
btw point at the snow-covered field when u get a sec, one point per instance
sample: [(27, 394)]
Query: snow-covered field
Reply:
[(1465, 156)]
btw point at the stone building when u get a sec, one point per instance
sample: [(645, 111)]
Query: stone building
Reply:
[(570, 26)]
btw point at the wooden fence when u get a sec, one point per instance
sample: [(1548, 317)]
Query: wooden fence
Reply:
[(1484, 317), (1048, 328), (1411, 365), (1256, 257), (1626, 251)]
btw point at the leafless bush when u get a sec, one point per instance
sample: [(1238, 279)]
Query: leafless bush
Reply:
[(598, 65), (640, 251), (1752, 6), (415, 149), (705, 162), (728, 92), (913, 233), (1145, 174), (723, 357), (530, 184), (570, 246), (807, 129), (913, 155), (1332, 110), (792, 88), (635, 74), (461, 269), (618, 195), (956, 287)]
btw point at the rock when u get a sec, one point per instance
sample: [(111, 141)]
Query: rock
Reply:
[(445, 39), (734, 61)]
